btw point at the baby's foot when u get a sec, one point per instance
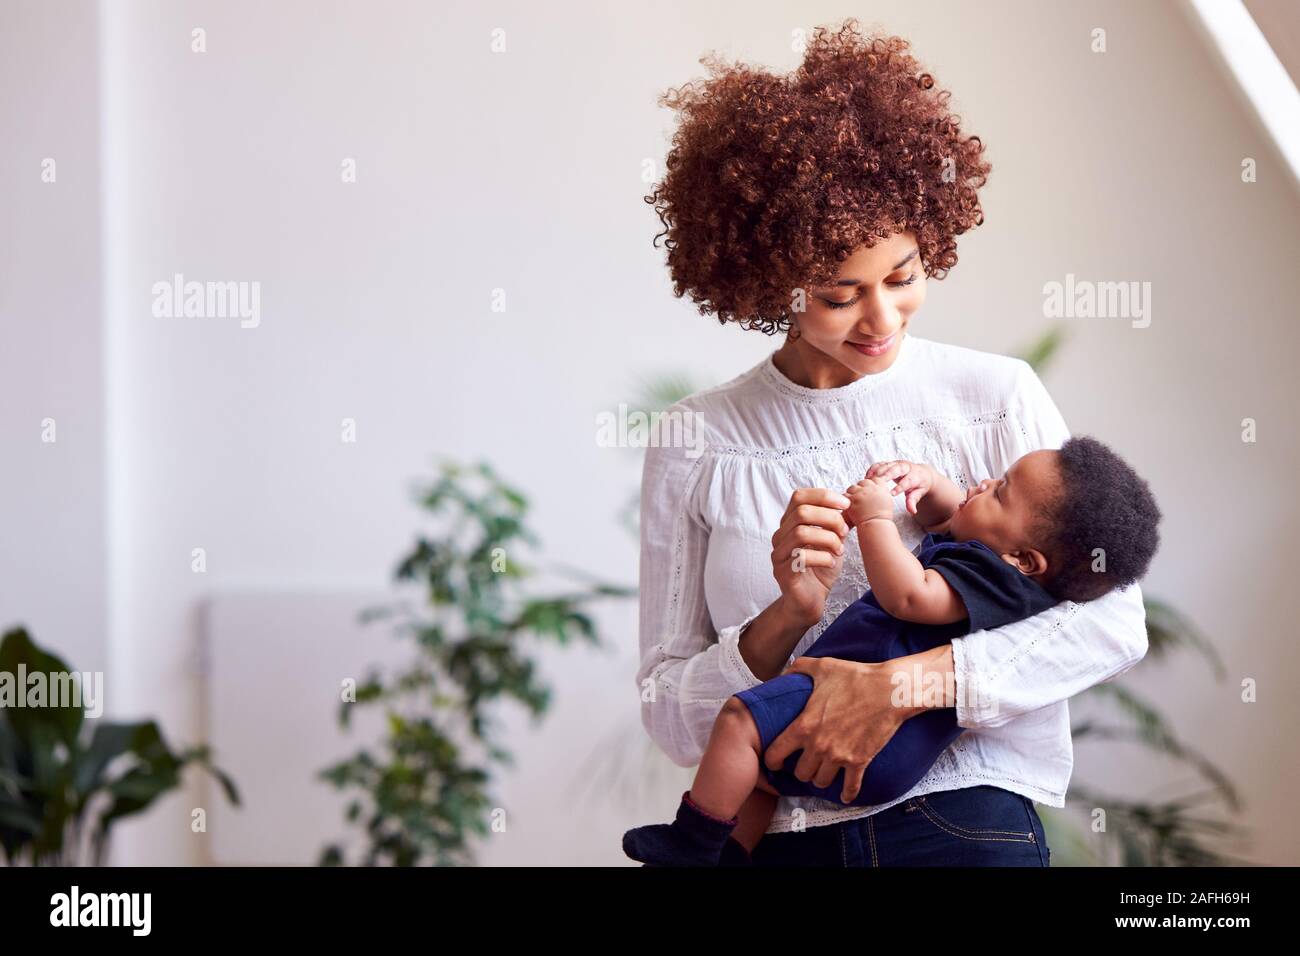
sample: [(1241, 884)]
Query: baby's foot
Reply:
[(694, 838)]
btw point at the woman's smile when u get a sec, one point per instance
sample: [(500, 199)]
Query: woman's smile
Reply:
[(875, 346)]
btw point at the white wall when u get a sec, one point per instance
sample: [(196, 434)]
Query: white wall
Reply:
[(522, 171), (52, 538)]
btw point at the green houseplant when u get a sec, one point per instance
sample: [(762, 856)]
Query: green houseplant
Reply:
[(425, 793), (65, 780)]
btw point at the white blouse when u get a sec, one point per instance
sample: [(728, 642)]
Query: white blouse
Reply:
[(709, 510)]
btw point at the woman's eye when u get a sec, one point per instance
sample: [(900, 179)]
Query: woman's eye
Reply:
[(895, 285)]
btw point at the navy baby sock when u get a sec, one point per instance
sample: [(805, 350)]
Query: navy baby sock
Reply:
[(694, 838)]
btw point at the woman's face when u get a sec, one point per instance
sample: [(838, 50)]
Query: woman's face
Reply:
[(858, 319)]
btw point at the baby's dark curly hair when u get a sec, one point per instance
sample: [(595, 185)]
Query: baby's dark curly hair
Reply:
[(1101, 504), (772, 181)]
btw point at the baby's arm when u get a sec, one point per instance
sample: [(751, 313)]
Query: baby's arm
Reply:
[(903, 587), (931, 497)]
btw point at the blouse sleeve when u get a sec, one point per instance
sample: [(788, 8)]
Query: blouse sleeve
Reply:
[(688, 670), (1020, 667)]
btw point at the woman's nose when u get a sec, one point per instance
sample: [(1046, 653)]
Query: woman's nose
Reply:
[(877, 314)]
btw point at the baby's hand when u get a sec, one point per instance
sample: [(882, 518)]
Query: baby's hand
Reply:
[(869, 498), (912, 478)]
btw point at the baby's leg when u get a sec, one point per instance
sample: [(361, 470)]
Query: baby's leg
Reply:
[(729, 768), (710, 810), (755, 816)]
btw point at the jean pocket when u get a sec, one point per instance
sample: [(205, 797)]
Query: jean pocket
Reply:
[(978, 813)]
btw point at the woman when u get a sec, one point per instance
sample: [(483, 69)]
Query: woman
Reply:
[(817, 205)]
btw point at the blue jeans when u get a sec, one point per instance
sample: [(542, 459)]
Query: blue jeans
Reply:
[(973, 826)]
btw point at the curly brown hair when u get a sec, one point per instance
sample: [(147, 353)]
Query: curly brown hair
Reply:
[(772, 181)]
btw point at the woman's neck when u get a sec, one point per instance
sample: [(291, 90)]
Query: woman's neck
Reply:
[(811, 368)]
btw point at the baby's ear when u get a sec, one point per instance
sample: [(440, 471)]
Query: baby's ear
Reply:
[(1028, 561)]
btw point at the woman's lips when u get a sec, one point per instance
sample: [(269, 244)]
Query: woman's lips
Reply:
[(879, 347)]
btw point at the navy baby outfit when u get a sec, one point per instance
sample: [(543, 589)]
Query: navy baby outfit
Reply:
[(994, 593)]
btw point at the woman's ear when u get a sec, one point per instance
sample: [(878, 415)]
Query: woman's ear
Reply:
[(1028, 561)]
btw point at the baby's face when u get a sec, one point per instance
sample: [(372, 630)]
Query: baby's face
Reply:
[(1002, 512)]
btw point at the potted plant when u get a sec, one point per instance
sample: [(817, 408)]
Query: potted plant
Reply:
[(425, 792), (66, 780)]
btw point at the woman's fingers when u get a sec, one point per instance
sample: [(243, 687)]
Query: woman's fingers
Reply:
[(821, 772), (809, 767), (786, 743), (823, 497), (853, 774), (809, 536), (808, 557), (776, 757), (808, 513)]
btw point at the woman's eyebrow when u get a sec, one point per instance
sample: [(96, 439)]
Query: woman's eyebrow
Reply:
[(902, 262)]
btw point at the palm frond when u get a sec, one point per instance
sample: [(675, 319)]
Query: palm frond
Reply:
[(1169, 630), (1166, 833), (657, 391), (1042, 350), (1150, 730)]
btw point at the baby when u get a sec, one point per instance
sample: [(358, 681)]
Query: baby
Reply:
[(1068, 524)]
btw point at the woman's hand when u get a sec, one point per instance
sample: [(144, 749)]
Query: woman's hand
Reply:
[(808, 551), (849, 718)]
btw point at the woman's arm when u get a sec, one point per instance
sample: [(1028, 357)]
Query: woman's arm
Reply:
[(1020, 667), (767, 640), (1011, 670), (687, 669)]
